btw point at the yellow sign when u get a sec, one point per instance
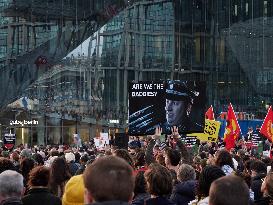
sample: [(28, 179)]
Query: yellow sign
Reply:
[(211, 131)]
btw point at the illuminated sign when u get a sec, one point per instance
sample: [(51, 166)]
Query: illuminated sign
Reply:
[(114, 121), (23, 122)]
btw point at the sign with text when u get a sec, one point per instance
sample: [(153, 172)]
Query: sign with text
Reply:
[(166, 104), (9, 141), (211, 131)]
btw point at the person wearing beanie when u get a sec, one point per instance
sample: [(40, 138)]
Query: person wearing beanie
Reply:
[(208, 175), (70, 159), (74, 191)]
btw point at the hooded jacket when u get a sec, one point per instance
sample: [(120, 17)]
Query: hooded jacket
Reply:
[(184, 192)]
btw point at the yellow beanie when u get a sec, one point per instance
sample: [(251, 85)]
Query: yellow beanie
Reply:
[(74, 191)]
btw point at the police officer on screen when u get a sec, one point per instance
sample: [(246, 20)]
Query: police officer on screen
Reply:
[(180, 96)]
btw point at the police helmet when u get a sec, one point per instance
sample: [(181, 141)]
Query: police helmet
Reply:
[(181, 90)]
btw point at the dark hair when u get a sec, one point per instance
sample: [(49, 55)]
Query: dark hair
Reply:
[(224, 158), (245, 176), (159, 180), (59, 174), (6, 164), (140, 159), (266, 160), (84, 158), (174, 156), (140, 184), (77, 157), (39, 176), (207, 176), (258, 166), (26, 166), (269, 185), (229, 190), (109, 178), (15, 156), (38, 159), (124, 154), (160, 159)]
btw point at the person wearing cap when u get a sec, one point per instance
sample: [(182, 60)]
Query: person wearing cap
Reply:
[(179, 100)]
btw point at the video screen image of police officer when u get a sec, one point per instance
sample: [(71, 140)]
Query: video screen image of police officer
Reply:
[(166, 104), (184, 106)]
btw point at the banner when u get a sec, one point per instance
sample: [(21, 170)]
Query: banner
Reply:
[(104, 138), (166, 104), (9, 141), (267, 126), (211, 131), (232, 130)]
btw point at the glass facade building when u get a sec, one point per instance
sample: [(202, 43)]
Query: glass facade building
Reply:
[(226, 43)]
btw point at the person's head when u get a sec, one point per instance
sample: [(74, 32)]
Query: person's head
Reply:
[(39, 176), (140, 184), (15, 156), (84, 159), (11, 185), (59, 171), (124, 154), (38, 159), (267, 185), (229, 190), (160, 159), (172, 157), (69, 157), (207, 176), (140, 159), (109, 178), (26, 166), (74, 191), (257, 167), (25, 153), (6, 164), (186, 173), (158, 180), (179, 100), (223, 157)]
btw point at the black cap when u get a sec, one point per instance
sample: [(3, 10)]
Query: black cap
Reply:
[(180, 90)]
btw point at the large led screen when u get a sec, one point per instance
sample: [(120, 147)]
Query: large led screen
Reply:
[(166, 104)]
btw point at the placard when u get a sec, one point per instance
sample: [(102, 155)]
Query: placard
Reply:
[(9, 141)]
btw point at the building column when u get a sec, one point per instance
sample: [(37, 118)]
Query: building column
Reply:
[(41, 134)]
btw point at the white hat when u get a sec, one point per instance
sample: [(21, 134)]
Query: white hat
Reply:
[(69, 157)]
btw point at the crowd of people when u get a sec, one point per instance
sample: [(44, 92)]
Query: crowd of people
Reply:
[(149, 172)]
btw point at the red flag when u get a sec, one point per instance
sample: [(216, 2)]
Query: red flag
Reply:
[(232, 130), (267, 129), (210, 114)]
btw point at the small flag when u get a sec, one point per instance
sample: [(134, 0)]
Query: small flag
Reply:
[(267, 129), (232, 130), (210, 114)]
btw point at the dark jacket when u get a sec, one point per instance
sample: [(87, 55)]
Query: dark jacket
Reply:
[(110, 203), (12, 201), (40, 196), (184, 192), (140, 198), (256, 184), (73, 167), (263, 201), (149, 157), (154, 201), (158, 201)]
